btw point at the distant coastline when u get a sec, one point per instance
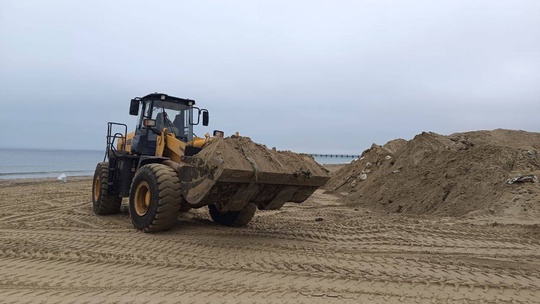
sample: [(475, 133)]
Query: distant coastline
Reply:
[(18, 163)]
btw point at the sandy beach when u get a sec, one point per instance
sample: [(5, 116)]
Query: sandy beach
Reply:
[(241, 152), (55, 250)]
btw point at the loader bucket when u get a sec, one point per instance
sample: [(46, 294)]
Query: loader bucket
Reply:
[(237, 171)]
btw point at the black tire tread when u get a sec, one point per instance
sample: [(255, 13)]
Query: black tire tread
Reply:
[(245, 216), (234, 218), (104, 204), (168, 187)]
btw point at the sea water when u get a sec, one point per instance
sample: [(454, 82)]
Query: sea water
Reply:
[(327, 160), (38, 163)]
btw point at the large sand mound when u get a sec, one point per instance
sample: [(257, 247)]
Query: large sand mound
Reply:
[(459, 174)]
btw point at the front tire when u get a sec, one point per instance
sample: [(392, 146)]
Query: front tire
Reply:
[(155, 199), (101, 202), (233, 218)]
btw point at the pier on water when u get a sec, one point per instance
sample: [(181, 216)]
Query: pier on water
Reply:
[(335, 155)]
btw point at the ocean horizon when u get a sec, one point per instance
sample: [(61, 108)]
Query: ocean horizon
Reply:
[(47, 163), (41, 163)]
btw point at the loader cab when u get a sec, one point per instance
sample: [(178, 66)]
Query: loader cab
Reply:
[(159, 111)]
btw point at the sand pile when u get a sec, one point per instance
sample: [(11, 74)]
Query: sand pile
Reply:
[(459, 174), (244, 154), (236, 171)]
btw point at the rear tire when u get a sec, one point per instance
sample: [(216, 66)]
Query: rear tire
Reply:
[(101, 202), (234, 218), (155, 199)]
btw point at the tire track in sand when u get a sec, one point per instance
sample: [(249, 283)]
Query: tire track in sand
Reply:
[(70, 255)]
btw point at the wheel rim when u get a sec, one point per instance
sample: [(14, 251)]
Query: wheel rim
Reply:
[(97, 188), (142, 198)]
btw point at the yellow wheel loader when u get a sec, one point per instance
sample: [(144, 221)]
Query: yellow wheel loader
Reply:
[(165, 169)]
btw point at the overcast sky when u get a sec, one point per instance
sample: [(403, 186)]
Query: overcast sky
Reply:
[(308, 76)]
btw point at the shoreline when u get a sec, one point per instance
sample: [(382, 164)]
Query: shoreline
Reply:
[(15, 176), (42, 180), (26, 180)]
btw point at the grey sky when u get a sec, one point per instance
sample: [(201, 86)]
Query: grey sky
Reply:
[(309, 76)]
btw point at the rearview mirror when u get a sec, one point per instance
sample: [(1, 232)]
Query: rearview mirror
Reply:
[(205, 118), (134, 107)]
